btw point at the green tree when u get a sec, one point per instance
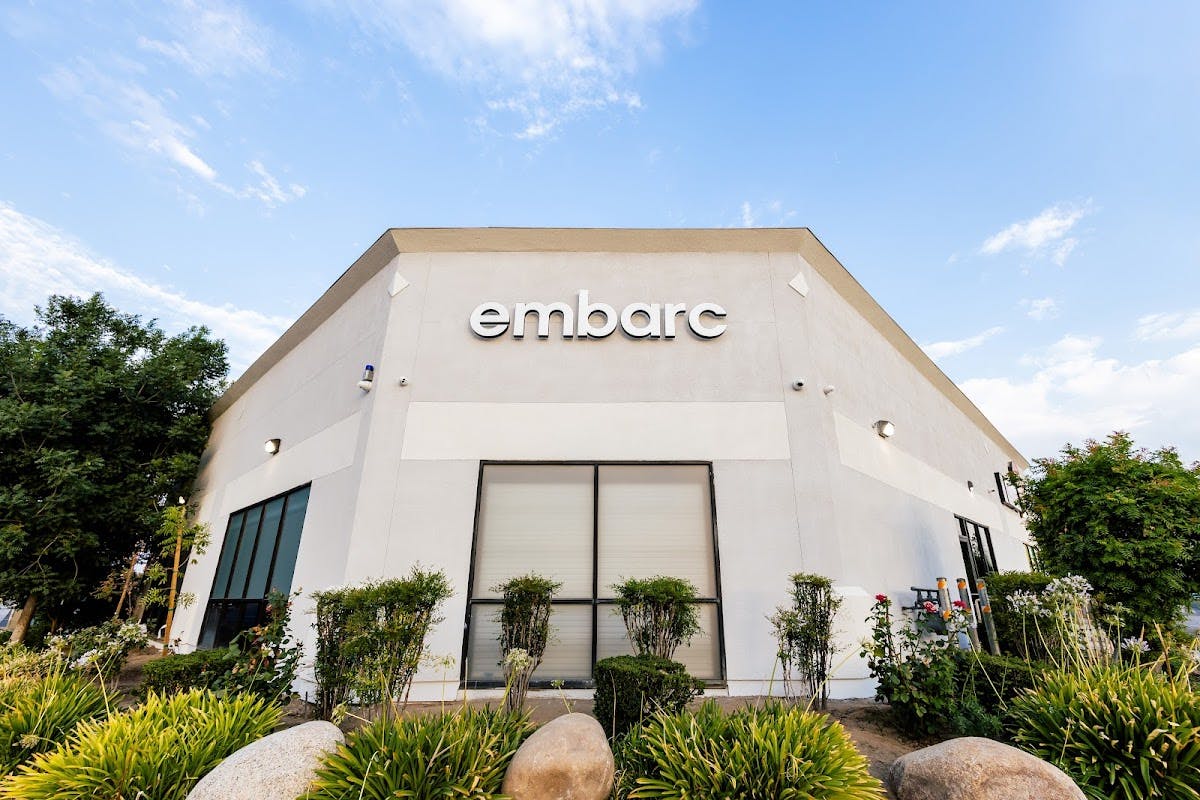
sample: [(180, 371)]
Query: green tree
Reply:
[(103, 418), (1126, 519)]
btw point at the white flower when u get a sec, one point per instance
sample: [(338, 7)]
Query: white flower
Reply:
[(1135, 644)]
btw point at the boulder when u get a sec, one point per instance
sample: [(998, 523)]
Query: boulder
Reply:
[(276, 767), (568, 758), (972, 768)]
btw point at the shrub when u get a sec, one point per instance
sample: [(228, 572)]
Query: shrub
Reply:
[(158, 750), (100, 649), (524, 621), (777, 751), (370, 638), (461, 755), (36, 714), (203, 669), (19, 661), (804, 633), (265, 656), (1013, 628), (1119, 732), (631, 688), (994, 680), (659, 613)]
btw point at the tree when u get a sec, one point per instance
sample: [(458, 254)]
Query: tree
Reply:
[(1126, 519), (103, 419)]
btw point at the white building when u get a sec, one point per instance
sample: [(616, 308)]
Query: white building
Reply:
[(719, 415)]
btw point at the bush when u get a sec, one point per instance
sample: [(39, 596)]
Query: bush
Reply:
[(778, 751), (995, 681), (158, 750), (631, 688), (1012, 629), (101, 649), (203, 669), (36, 714), (1119, 732), (19, 661), (524, 631), (462, 755), (370, 638), (804, 634), (660, 613), (265, 657)]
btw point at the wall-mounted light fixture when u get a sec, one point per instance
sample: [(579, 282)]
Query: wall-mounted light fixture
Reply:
[(271, 446), (368, 378), (885, 429), (971, 486)]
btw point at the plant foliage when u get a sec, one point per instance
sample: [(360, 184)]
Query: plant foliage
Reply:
[(804, 634), (777, 751), (461, 755), (36, 714), (156, 751), (203, 669), (101, 649), (631, 688), (370, 638), (660, 613), (1012, 627), (524, 619), (1127, 520), (1120, 732)]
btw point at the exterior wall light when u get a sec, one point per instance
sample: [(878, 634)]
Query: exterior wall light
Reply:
[(368, 378), (885, 429), (271, 446)]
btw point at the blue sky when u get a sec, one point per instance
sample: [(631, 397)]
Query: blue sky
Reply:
[(1016, 184)]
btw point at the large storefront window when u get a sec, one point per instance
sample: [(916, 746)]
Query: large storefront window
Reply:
[(591, 526), (258, 555)]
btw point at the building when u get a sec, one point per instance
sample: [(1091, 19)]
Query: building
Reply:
[(729, 406)]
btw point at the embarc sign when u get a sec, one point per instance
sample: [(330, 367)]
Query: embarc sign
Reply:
[(637, 320)]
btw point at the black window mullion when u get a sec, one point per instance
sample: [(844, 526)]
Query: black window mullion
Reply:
[(233, 554), (253, 552), (595, 562), (275, 550)]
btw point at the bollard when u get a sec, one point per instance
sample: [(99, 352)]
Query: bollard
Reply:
[(965, 596), (989, 625)]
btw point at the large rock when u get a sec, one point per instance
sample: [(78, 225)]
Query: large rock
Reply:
[(972, 768), (276, 767), (568, 758)]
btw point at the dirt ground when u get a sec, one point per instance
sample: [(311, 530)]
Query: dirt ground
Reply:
[(864, 720)]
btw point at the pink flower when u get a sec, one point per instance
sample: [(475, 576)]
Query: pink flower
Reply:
[(881, 598), (959, 604), (930, 608)]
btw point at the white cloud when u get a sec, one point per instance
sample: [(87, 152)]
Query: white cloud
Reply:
[(214, 38), (770, 213), (1040, 308), (268, 190), (1074, 394), (747, 215), (37, 260), (940, 350), (542, 61), (1047, 233), (1169, 325)]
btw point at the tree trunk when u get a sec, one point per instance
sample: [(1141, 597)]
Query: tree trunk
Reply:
[(20, 625), (128, 584)]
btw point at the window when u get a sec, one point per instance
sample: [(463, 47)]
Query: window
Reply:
[(978, 556), (590, 526), (258, 555), (1035, 558), (1007, 493)]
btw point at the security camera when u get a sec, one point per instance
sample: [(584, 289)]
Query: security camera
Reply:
[(798, 384), (403, 381)]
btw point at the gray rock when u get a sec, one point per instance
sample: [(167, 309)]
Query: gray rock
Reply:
[(568, 758), (972, 768), (276, 767)]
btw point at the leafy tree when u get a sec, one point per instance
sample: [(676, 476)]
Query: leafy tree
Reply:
[(102, 421), (1126, 519)]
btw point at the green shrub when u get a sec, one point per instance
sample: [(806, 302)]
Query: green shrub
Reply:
[(631, 688), (19, 661), (1123, 733), (203, 669), (370, 638), (156, 751), (804, 634), (524, 619), (778, 751), (1015, 636), (101, 649), (659, 613), (455, 755), (265, 656), (36, 714), (995, 680)]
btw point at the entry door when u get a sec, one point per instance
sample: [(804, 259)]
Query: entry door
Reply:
[(980, 561)]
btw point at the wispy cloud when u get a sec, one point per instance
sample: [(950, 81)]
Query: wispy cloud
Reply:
[(940, 350), (1047, 234), (1075, 393), (1040, 308), (769, 213), (268, 190), (37, 260), (1169, 325), (214, 38), (540, 62)]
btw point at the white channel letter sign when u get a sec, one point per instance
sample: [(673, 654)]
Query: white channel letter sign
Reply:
[(597, 320)]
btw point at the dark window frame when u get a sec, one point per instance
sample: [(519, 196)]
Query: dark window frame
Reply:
[(1009, 494), (594, 601), (251, 610)]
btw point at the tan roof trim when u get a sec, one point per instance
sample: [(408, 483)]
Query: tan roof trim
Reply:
[(614, 240)]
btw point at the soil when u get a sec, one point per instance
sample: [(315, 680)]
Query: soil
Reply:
[(865, 720)]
